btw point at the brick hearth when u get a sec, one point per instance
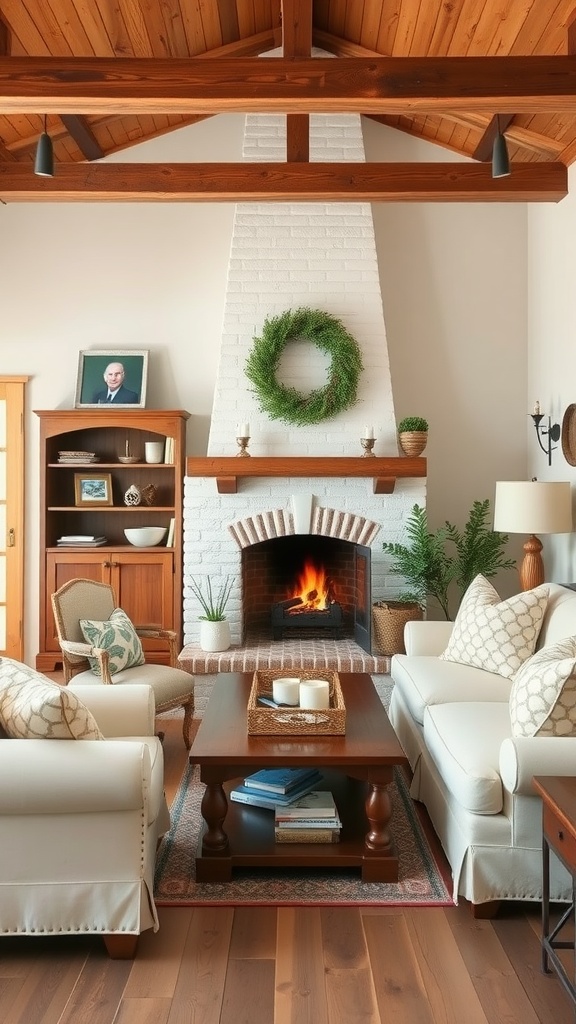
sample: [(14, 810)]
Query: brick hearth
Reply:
[(259, 653)]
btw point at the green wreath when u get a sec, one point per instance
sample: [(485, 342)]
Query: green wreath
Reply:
[(330, 335)]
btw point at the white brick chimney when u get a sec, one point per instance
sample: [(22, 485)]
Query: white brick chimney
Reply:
[(286, 255)]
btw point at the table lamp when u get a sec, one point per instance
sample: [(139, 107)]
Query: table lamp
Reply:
[(533, 506)]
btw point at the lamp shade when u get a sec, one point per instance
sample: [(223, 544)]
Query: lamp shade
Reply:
[(533, 506), (44, 161), (500, 158)]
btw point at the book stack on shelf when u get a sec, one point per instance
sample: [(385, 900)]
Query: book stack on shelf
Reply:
[(274, 787), (84, 540), (312, 818)]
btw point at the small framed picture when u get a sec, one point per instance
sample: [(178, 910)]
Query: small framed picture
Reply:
[(93, 488), (111, 378)]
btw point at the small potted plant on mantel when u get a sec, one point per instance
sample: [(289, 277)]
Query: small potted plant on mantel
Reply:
[(413, 435), (214, 626)]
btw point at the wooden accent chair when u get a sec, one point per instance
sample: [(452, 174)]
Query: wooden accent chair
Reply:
[(87, 599)]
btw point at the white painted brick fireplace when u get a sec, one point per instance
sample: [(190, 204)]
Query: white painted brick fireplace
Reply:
[(286, 255)]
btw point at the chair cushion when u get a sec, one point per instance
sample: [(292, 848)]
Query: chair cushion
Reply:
[(496, 635), (117, 636), (169, 684), (543, 695), (464, 742), (34, 707)]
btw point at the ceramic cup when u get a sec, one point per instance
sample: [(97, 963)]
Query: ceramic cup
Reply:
[(286, 690), (315, 694), (154, 451)]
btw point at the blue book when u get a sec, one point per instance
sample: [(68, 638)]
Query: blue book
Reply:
[(280, 780), (244, 795)]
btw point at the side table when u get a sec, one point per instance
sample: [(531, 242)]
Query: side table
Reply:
[(559, 835)]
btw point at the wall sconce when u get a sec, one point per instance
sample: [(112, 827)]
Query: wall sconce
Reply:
[(551, 432), (44, 161)]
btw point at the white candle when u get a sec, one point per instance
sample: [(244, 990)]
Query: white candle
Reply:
[(314, 694), (286, 690), (243, 430), (537, 409), (368, 432)]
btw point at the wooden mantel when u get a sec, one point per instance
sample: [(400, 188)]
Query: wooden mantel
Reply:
[(384, 471)]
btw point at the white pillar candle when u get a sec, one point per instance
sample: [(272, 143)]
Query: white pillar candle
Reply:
[(315, 694), (368, 432), (286, 690), (243, 430)]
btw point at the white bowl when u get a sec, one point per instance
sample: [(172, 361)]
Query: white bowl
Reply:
[(145, 536)]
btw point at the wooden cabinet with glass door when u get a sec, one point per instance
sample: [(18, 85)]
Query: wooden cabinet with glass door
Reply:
[(83, 497)]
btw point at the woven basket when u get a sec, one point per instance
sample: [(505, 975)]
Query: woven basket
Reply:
[(264, 721), (413, 442), (389, 618)]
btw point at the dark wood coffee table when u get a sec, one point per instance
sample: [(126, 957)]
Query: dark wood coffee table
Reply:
[(357, 767)]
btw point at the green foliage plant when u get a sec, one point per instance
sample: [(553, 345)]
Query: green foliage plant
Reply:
[(412, 423), (429, 567), (328, 334), (213, 604)]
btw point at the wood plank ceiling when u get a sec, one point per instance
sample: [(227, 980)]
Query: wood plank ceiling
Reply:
[(109, 75)]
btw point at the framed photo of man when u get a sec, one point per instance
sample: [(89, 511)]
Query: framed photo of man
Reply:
[(111, 377)]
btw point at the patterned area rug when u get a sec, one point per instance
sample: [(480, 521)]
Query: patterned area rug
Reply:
[(423, 877)]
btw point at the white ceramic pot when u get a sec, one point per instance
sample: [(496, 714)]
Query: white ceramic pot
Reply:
[(215, 636)]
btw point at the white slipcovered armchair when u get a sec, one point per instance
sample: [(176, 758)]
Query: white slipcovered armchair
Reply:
[(80, 820)]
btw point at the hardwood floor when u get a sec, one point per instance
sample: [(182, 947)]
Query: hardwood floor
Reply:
[(247, 965)]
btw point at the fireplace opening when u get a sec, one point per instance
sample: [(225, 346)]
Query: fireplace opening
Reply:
[(308, 586)]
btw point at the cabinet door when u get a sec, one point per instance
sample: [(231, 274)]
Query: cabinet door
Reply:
[(70, 565), (144, 586)]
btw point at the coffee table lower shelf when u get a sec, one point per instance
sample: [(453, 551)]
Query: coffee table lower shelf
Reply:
[(251, 843)]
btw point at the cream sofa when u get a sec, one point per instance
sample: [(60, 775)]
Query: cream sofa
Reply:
[(79, 825), (472, 774)]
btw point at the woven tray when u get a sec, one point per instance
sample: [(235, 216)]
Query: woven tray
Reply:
[(295, 721)]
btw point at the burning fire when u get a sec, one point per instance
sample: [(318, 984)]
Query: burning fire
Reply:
[(313, 589)]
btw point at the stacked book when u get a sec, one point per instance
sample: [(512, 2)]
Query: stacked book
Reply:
[(312, 818), (85, 540), (276, 787)]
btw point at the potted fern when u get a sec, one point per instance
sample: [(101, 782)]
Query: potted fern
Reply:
[(429, 563), (413, 435), (214, 626)]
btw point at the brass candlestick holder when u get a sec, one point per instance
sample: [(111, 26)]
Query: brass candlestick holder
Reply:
[(368, 444), (242, 443)]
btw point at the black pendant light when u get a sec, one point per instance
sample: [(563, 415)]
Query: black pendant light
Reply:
[(500, 158), (44, 162)]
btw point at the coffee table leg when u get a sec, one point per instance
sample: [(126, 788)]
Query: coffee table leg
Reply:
[(214, 808), (379, 812)]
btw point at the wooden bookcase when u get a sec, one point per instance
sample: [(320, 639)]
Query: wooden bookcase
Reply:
[(147, 581)]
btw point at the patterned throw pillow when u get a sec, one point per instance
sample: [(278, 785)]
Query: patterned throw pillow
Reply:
[(496, 635), (33, 707), (117, 636), (543, 695)]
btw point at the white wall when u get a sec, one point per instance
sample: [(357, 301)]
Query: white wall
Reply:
[(153, 276), (552, 350)]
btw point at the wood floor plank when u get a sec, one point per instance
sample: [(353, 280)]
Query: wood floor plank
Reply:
[(249, 992), (155, 970), (254, 933), (501, 993), (450, 991), (398, 984), (200, 987), (300, 987), (544, 991), (143, 1010), (349, 988), (98, 992)]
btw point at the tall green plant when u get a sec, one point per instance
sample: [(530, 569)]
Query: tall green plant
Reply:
[(213, 604), (429, 568)]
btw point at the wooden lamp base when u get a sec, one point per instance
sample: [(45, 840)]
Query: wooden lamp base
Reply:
[(532, 569)]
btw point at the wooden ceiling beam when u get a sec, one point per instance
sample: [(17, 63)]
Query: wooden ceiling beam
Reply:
[(79, 129), (256, 182), (90, 85), (297, 42)]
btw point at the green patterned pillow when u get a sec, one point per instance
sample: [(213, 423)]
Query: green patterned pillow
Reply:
[(32, 707), (117, 636), (496, 635)]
